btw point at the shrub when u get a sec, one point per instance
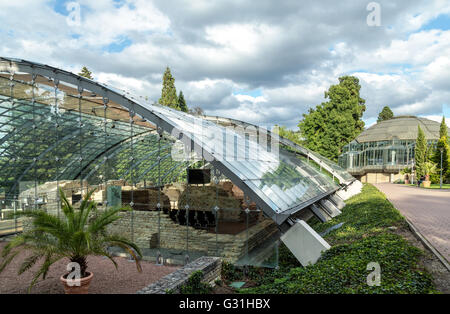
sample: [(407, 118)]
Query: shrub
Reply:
[(194, 285)]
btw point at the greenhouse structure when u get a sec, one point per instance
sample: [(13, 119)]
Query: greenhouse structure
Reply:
[(193, 185), (380, 153)]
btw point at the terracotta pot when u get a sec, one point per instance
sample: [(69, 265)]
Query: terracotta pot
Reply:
[(426, 184), (80, 289), (406, 181)]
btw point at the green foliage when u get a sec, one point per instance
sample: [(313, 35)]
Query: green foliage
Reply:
[(385, 114), (406, 171), (429, 168), (342, 269), (420, 152), (291, 135), (182, 102), (232, 273), (285, 177), (363, 238), (333, 124), (443, 129), (169, 93), (442, 144), (76, 235), (229, 272), (86, 73), (194, 285)]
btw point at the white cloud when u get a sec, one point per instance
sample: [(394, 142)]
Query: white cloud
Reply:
[(291, 52)]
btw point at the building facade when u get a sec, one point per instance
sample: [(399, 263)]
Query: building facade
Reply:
[(381, 152)]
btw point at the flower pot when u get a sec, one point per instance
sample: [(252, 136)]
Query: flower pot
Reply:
[(82, 288), (426, 184), (406, 181)]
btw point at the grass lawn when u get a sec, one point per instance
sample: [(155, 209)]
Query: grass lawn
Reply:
[(370, 234), (435, 186)]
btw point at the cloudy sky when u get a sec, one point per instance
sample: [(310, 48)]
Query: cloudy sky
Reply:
[(260, 61)]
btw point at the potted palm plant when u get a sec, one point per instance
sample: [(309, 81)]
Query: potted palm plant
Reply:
[(78, 234), (406, 172), (429, 168)]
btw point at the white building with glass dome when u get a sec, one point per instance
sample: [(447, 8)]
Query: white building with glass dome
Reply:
[(379, 153)]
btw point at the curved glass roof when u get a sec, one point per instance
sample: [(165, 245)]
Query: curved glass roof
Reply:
[(340, 173), (400, 128), (55, 125)]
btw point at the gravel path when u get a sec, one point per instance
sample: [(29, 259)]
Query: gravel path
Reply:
[(427, 209), (106, 278)]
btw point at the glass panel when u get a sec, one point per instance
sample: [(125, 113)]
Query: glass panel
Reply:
[(77, 140)]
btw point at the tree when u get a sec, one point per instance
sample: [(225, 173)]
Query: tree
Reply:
[(288, 134), (420, 152), (182, 103), (443, 129), (335, 123), (385, 114), (169, 93), (442, 144), (86, 73)]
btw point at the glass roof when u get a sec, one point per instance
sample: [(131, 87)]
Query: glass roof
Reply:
[(55, 125), (281, 180), (400, 128), (43, 139), (330, 166)]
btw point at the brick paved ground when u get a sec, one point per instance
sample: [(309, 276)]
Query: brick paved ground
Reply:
[(427, 209)]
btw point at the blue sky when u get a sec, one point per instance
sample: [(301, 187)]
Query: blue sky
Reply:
[(266, 63), (442, 22)]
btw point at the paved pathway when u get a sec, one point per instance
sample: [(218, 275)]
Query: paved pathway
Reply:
[(427, 209)]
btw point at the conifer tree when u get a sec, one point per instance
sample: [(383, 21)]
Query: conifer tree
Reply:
[(182, 102), (420, 152), (385, 114), (86, 73), (443, 129), (169, 92), (442, 144), (436, 155)]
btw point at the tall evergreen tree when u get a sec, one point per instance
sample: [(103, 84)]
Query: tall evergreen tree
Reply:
[(385, 114), (442, 144), (333, 124), (86, 73), (169, 92), (182, 103), (443, 129), (420, 152)]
